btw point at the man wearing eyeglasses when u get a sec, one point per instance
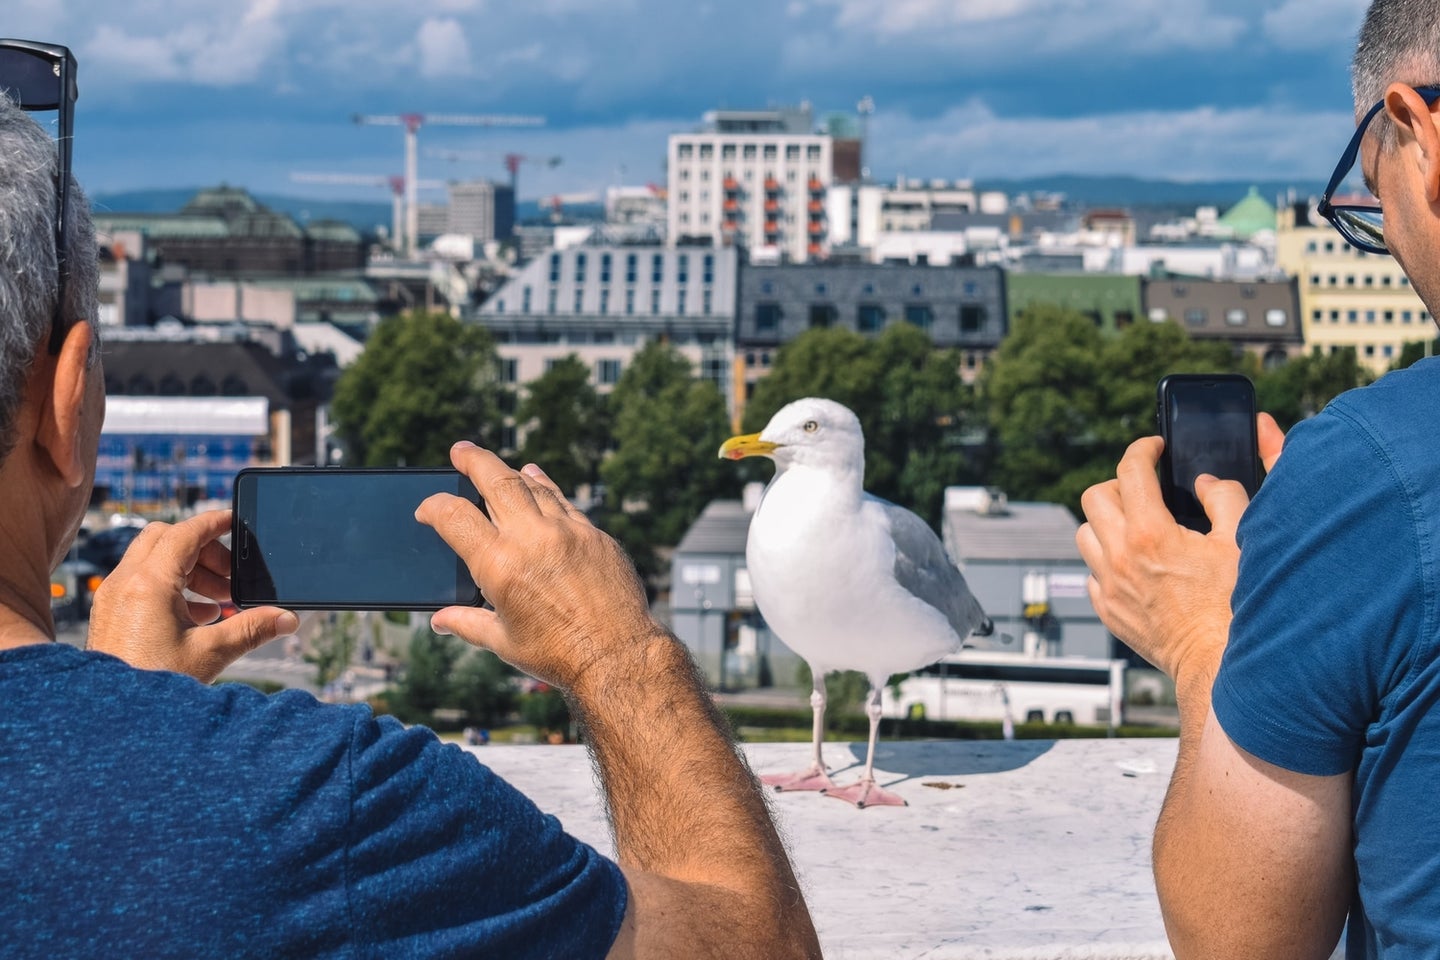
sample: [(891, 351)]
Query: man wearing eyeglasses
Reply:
[(148, 815), (1309, 757)]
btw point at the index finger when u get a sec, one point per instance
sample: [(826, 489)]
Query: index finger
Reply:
[(503, 490), (179, 545), (1139, 485)]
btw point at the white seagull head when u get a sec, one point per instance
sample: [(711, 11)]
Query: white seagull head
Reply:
[(812, 432)]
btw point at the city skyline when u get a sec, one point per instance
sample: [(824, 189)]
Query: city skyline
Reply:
[(187, 92)]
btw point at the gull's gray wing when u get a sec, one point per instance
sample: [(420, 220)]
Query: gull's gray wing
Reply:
[(923, 568)]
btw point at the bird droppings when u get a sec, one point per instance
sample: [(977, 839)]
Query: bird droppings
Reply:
[(1036, 908), (942, 785)]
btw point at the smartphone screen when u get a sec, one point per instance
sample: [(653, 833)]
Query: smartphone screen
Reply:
[(339, 539), (1208, 422)]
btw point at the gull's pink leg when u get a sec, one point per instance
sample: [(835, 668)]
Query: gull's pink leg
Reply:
[(866, 792), (813, 777)]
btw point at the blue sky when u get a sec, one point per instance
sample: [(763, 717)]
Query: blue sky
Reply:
[(191, 92)]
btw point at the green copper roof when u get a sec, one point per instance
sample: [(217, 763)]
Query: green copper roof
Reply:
[(1250, 216)]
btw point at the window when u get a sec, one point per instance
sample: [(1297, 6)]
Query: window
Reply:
[(1389, 351), (657, 268), (792, 152), (1123, 319), (686, 150), (1159, 315), (509, 370), (823, 314), (680, 302), (707, 151), (767, 318), (579, 268), (1236, 317), (770, 151), (500, 305), (1369, 316), (706, 304), (727, 152), (605, 268), (604, 302), (1276, 318), (812, 152), (709, 275), (525, 300), (554, 268), (1389, 316), (579, 301), (1317, 315), (869, 317), (631, 261), (972, 318), (682, 268), (629, 303), (1195, 317), (654, 302), (607, 371), (748, 151), (919, 314), (551, 299), (1353, 316)]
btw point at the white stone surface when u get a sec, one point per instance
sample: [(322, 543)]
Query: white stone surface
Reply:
[(1037, 850)]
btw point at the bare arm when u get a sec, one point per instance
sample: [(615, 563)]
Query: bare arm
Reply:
[(707, 874), (1250, 860)]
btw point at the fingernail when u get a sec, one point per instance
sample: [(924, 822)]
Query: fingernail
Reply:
[(462, 445), (286, 624), (533, 470), (439, 629)]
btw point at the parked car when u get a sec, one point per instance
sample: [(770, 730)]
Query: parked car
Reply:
[(104, 548), (72, 588)]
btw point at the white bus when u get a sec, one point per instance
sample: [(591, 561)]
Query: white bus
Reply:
[(1013, 687)]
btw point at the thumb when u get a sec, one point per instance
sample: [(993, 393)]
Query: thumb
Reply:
[(1271, 439), (474, 625), (227, 641), (1224, 502)]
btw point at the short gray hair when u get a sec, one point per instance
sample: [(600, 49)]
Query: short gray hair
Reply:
[(29, 278)]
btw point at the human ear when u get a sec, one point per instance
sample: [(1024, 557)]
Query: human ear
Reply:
[(59, 431), (1416, 121)]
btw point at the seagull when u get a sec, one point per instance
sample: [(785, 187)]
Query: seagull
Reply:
[(849, 581)]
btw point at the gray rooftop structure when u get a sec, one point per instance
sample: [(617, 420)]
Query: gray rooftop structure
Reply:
[(722, 528), (1023, 532)]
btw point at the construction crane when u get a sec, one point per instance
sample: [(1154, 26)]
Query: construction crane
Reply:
[(512, 162), (395, 184), (412, 122), (556, 204)]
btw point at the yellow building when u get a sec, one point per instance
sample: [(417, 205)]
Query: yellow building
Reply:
[(1349, 298)]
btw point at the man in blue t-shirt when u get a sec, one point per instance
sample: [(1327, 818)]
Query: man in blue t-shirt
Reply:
[(148, 814), (1310, 699)]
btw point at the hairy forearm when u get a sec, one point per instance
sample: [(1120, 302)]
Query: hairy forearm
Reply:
[(683, 803)]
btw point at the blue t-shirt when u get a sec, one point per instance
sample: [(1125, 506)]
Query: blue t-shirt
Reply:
[(1332, 663), (148, 815)]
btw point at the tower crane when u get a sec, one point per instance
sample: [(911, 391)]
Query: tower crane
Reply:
[(397, 193), (512, 162), (412, 122)]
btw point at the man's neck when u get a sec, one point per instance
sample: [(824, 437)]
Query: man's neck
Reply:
[(23, 620)]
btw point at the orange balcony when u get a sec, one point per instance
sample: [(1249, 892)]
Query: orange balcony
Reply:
[(816, 186), (816, 206), (772, 185), (731, 184), (816, 228), (771, 226), (771, 206), (730, 206), (815, 249), (730, 226)]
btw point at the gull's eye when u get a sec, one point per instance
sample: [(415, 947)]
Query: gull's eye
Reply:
[(811, 426)]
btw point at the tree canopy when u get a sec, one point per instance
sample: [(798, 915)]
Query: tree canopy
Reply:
[(424, 381), (564, 424)]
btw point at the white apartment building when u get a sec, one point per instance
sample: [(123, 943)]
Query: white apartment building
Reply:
[(756, 179), (861, 215)]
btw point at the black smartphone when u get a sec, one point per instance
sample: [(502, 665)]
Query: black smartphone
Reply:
[(326, 538), (1208, 423)]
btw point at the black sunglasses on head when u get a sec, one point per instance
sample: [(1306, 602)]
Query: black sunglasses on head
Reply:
[(41, 76)]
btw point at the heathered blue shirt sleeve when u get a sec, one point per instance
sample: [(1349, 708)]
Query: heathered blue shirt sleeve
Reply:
[(1329, 581), (445, 859)]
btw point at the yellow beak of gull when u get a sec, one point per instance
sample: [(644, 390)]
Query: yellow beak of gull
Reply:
[(750, 445)]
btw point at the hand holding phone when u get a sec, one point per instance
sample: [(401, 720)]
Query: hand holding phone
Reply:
[(1208, 424)]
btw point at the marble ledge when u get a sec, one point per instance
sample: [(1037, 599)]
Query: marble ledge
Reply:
[(1021, 850)]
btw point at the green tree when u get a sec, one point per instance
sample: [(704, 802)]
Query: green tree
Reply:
[(333, 648), (426, 683), (668, 427), (908, 396), (1303, 386), (1412, 353), (484, 687), (564, 423), (1066, 401), (424, 381)]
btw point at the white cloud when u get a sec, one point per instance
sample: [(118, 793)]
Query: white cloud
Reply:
[(1005, 29), (1196, 144), (442, 48), (1325, 25), (212, 51)]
